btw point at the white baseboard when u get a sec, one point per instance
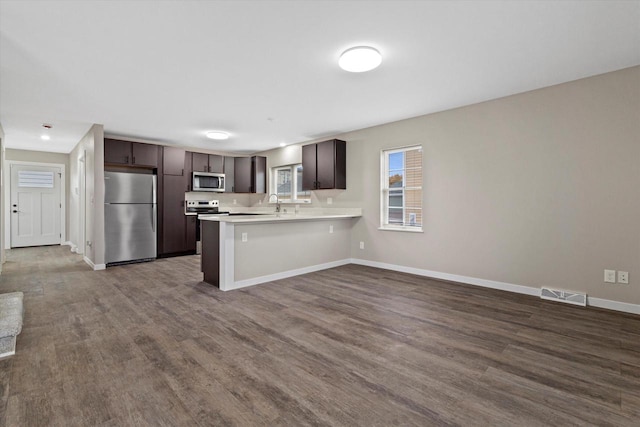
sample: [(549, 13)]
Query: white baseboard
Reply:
[(73, 248), (503, 286), (614, 305), (285, 274), (94, 266), (526, 290)]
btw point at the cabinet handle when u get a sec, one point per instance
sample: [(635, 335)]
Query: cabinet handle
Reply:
[(182, 173), (126, 159), (188, 187), (208, 168), (134, 160)]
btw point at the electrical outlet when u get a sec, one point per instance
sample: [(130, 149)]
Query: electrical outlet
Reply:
[(330, 229), (329, 200), (235, 202), (610, 276), (361, 245), (623, 277), (245, 237)]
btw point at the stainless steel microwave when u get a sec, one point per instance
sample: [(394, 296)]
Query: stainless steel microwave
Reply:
[(207, 181)]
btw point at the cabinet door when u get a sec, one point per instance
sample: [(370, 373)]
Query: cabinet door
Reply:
[(309, 167), (191, 233), (174, 224), (242, 174), (340, 166), (144, 154), (173, 161), (326, 165), (229, 168), (216, 163), (259, 174), (117, 152), (200, 162)]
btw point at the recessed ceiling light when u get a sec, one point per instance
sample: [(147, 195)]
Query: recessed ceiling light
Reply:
[(283, 144), (45, 137), (359, 59), (217, 134)]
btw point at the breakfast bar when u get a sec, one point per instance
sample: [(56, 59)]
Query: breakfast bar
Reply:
[(245, 250)]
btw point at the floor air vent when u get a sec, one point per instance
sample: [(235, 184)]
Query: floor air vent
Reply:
[(564, 296)]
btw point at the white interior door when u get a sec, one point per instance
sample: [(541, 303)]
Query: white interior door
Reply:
[(35, 206)]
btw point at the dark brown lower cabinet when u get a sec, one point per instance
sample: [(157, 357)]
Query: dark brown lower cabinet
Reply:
[(210, 261), (191, 233), (178, 230)]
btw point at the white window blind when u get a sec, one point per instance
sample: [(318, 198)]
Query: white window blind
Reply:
[(35, 179)]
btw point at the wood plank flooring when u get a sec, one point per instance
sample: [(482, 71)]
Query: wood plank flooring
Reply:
[(150, 344)]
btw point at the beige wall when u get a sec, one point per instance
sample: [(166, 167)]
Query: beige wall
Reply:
[(276, 248), (536, 189), (89, 203), (2, 190), (45, 157)]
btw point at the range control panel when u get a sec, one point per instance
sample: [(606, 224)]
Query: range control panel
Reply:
[(195, 207)]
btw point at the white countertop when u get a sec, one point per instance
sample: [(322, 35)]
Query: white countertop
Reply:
[(281, 217)]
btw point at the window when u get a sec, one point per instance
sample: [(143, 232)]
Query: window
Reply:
[(401, 198), (287, 184)]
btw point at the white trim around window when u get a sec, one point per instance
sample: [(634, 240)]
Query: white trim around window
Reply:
[(279, 181), (401, 200)]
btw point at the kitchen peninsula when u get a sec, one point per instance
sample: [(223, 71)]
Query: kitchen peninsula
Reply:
[(240, 251)]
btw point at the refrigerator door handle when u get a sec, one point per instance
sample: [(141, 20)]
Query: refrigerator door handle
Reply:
[(153, 217), (153, 190)]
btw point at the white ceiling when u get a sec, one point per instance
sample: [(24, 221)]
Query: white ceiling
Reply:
[(172, 70)]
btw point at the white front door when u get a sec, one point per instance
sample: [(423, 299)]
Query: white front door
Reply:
[(35, 206)]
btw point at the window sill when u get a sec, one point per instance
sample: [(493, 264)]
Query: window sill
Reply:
[(404, 229)]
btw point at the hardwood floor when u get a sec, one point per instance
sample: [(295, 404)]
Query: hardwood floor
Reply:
[(149, 344)]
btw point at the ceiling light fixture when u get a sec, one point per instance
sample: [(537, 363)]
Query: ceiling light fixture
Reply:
[(360, 59), (283, 144), (217, 134), (45, 136)]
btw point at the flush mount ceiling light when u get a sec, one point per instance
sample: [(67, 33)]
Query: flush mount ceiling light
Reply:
[(283, 144), (45, 136), (217, 134), (360, 59)]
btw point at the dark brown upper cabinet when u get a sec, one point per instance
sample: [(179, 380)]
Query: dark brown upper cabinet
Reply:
[(229, 174), (129, 153), (324, 165), (173, 161), (208, 163), (250, 174)]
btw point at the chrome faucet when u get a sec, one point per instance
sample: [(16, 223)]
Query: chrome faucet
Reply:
[(277, 202)]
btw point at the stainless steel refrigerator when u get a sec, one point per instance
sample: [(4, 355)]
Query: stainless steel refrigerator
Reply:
[(129, 217)]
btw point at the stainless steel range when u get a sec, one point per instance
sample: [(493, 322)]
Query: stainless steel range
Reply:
[(201, 207)]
